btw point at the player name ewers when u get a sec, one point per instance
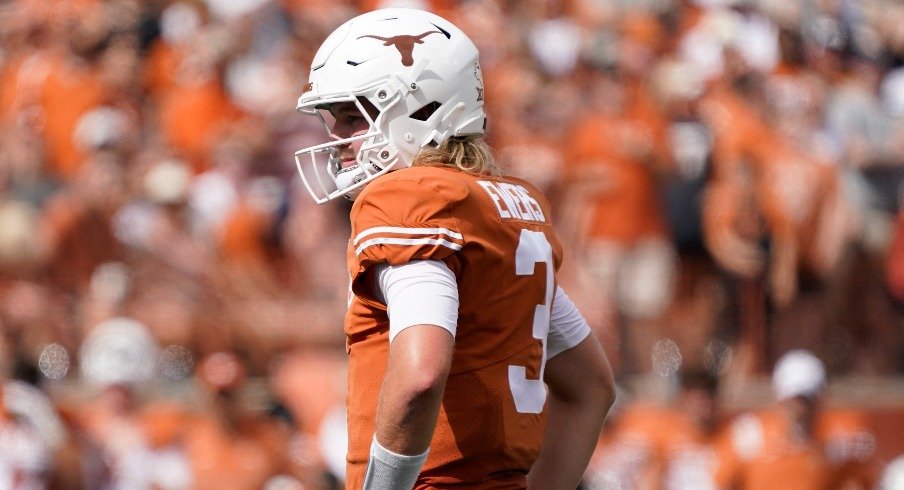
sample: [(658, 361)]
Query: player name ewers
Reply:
[(513, 201)]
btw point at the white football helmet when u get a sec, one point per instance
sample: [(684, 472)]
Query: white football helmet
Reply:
[(419, 72)]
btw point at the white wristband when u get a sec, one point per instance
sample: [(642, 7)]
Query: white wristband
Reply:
[(387, 470)]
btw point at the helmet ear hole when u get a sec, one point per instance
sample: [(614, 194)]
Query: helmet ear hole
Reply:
[(425, 111)]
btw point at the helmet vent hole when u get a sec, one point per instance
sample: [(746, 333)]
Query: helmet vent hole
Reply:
[(426, 111), (369, 107)]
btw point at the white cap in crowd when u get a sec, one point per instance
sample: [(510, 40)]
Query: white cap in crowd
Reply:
[(798, 373)]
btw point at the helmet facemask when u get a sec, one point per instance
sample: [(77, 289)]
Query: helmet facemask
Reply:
[(320, 165)]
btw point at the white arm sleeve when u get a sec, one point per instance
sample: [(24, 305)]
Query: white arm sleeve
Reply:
[(421, 292), (425, 292), (567, 327)]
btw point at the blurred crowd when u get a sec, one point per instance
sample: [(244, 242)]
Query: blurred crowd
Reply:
[(727, 177), (795, 441)]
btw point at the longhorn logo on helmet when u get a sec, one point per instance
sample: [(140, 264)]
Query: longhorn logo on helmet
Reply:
[(404, 43)]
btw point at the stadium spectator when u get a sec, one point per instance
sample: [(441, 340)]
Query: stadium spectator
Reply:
[(777, 446), (654, 445), (799, 440)]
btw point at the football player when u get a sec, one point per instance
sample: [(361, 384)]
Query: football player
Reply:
[(468, 365)]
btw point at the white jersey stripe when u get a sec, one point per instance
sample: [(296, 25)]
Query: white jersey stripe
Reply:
[(407, 241), (407, 231)]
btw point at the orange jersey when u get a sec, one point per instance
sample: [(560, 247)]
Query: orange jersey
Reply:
[(495, 234)]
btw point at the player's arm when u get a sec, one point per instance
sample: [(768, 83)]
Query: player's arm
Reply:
[(422, 300), (581, 390)]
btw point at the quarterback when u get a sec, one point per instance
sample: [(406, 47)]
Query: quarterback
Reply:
[(469, 366)]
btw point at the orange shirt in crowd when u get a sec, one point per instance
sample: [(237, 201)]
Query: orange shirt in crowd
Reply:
[(193, 115), (626, 207), (738, 132), (194, 106), (222, 457), (625, 454), (850, 446), (21, 80), (894, 275), (161, 68), (644, 112), (653, 447), (243, 235), (764, 451), (243, 452), (70, 90)]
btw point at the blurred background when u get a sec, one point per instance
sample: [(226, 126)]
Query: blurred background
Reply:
[(726, 175)]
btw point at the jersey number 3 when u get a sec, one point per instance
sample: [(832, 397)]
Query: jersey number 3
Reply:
[(530, 394)]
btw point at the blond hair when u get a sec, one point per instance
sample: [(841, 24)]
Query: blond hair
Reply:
[(469, 154)]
